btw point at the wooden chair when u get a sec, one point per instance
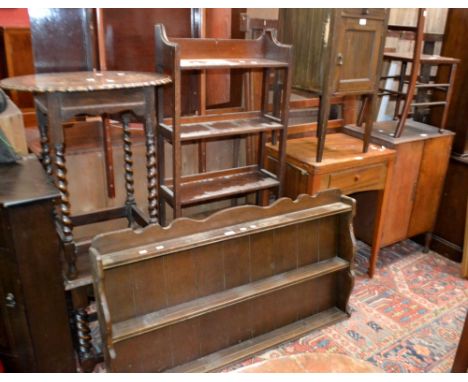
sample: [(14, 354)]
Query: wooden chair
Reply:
[(405, 105)]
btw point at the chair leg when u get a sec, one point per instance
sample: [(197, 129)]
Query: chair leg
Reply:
[(372, 99), (401, 83), (324, 111), (362, 112)]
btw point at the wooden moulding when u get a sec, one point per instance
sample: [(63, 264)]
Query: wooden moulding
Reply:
[(226, 287)]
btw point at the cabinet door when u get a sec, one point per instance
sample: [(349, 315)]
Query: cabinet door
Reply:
[(359, 43), (434, 163)]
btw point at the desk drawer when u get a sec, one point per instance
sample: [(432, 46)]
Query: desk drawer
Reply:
[(359, 179)]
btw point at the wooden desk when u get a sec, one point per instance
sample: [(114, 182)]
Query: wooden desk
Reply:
[(344, 166), (59, 97)]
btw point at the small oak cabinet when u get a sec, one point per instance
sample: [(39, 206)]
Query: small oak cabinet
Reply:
[(336, 52)]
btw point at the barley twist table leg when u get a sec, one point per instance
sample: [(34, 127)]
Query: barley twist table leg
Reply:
[(128, 159), (152, 177), (45, 149), (65, 219)]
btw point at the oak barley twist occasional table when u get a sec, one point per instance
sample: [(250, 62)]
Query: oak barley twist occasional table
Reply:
[(124, 96)]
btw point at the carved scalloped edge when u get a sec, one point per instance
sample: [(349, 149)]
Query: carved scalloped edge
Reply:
[(112, 241)]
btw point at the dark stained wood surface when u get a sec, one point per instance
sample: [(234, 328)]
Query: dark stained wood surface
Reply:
[(83, 81), (24, 182), (227, 280), (170, 316), (449, 231), (453, 45), (222, 184), (224, 128), (54, 31)]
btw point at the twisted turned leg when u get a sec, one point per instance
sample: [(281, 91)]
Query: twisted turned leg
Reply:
[(128, 160), (150, 124), (45, 149), (83, 339), (152, 177), (64, 218)]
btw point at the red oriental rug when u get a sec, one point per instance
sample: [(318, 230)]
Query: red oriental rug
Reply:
[(408, 318)]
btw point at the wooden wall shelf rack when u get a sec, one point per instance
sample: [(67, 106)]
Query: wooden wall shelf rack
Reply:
[(243, 280)]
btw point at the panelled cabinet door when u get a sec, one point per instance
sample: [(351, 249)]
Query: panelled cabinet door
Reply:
[(358, 46)]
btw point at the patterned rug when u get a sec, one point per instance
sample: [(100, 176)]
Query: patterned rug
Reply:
[(408, 318)]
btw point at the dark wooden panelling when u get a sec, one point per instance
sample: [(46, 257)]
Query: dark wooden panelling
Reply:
[(62, 39), (454, 45), (449, 230)]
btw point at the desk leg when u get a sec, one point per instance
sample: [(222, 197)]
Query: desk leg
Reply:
[(379, 220)]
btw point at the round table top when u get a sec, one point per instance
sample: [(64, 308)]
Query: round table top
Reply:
[(83, 81)]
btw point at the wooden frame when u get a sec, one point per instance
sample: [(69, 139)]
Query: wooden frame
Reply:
[(415, 80), (184, 54), (243, 280)]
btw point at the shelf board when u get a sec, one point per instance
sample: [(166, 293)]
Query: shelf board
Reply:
[(207, 63), (425, 58), (156, 320), (226, 128), (236, 353), (222, 184)]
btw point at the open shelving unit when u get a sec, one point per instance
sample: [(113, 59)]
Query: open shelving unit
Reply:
[(186, 54), (239, 282)]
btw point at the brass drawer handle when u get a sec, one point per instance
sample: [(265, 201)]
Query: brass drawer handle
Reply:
[(10, 300)]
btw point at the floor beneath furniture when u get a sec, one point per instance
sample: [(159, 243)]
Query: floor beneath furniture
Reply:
[(408, 318)]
